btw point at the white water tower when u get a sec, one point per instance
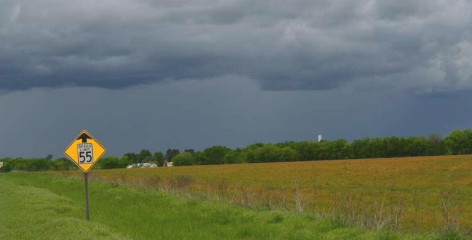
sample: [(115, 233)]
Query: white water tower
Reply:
[(320, 138)]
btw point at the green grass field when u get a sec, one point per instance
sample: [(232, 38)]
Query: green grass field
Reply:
[(44, 206)]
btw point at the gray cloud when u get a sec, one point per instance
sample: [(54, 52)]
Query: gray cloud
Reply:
[(406, 45)]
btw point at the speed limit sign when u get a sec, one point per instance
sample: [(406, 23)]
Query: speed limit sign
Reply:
[(84, 151)]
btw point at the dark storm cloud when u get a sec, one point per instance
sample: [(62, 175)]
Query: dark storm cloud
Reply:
[(413, 45), (229, 111)]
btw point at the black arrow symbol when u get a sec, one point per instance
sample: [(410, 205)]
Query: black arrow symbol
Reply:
[(84, 137)]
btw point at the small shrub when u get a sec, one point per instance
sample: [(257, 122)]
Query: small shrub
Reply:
[(222, 189), (276, 219), (450, 235), (387, 236), (451, 211), (154, 181), (181, 182)]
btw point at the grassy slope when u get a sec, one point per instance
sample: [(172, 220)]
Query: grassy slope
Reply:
[(28, 212), (40, 206)]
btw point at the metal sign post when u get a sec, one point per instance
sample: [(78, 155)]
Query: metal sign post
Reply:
[(87, 211)]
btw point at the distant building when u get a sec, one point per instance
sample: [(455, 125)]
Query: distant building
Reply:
[(320, 138), (167, 164), (142, 165)]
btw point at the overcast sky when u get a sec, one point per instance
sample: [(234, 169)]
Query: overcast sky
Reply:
[(161, 74)]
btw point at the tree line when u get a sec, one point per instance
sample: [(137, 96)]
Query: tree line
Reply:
[(457, 142)]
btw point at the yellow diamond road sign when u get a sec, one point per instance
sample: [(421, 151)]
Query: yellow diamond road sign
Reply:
[(85, 151)]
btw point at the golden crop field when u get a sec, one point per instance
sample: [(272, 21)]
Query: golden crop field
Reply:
[(405, 193)]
